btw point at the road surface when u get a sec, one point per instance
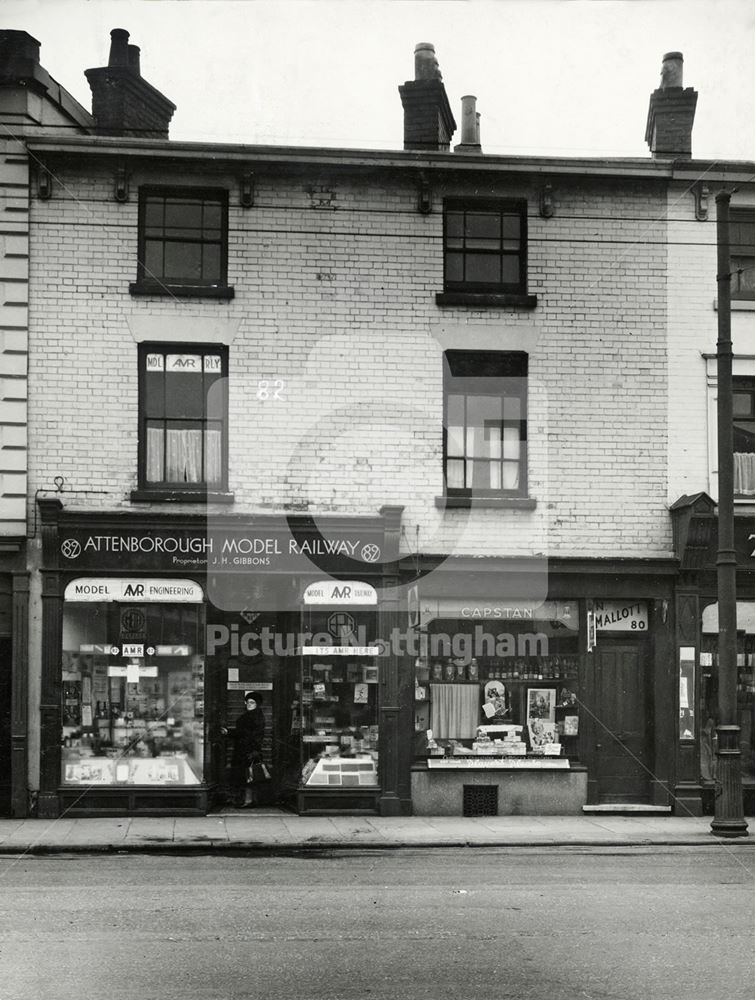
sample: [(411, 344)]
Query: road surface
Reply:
[(466, 924)]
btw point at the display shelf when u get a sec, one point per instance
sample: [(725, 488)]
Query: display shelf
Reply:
[(116, 771)]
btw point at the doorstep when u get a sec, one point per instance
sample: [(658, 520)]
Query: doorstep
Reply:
[(627, 809)]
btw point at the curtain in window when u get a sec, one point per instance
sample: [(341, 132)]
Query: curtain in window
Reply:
[(214, 455), (183, 455), (455, 711), (744, 473), (155, 469)]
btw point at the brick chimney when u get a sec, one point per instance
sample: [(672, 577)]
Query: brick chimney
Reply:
[(19, 55), (428, 122), (122, 102), (671, 113)]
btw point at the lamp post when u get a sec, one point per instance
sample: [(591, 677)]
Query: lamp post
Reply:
[(729, 818)]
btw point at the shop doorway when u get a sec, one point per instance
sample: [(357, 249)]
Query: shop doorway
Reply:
[(623, 723), (6, 678), (273, 679)]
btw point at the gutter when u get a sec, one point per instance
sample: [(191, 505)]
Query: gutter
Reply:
[(307, 157)]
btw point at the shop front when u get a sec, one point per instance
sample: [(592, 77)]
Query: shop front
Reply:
[(154, 629), (543, 696), (696, 540)]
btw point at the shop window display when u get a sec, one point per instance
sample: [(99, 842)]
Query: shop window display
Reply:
[(335, 707), (132, 691), (486, 707)]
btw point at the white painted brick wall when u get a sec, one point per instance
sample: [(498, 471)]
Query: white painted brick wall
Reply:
[(340, 303), (693, 334)]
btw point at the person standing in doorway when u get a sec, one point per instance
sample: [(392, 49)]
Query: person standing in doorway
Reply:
[(247, 751)]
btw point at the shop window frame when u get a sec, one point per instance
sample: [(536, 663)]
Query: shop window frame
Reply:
[(171, 490), (121, 790), (149, 282)]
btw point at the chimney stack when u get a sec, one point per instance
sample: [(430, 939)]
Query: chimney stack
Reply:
[(671, 113), (428, 122), (470, 126), (122, 102)]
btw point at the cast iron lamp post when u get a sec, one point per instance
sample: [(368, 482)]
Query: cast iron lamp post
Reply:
[(729, 818)]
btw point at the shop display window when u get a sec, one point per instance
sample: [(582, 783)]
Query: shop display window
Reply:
[(132, 690), (484, 707), (745, 691), (336, 705)]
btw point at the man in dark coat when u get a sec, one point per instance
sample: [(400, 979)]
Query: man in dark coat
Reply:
[(247, 750)]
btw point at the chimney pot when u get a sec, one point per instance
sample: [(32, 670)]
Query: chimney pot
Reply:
[(470, 126), (118, 47), (133, 59), (425, 62), (468, 120), (672, 70)]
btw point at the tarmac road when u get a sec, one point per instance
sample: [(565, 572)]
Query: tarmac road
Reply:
[(557, 924)]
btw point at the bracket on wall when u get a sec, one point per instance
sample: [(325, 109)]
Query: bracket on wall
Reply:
[(424, 195), (44, 183), (120, 183), (701, 193), (546, 201), (246, 187)]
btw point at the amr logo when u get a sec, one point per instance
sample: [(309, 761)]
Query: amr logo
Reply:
[(341, 624), (133, 590)]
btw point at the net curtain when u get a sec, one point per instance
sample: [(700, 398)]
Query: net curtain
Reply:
[(182, 460), (455, 709)]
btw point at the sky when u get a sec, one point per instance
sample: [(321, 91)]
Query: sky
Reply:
[(551, 77)]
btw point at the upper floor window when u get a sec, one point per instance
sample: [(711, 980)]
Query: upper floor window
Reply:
[(485, 423), (744, 436), (485, 246), (183, 418), (183, 242), (742, 250)]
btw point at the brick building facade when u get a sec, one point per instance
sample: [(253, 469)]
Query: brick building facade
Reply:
[(345, 342)]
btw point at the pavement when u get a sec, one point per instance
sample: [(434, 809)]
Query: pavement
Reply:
[(275, 830)]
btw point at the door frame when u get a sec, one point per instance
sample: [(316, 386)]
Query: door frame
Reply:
[(594, 732)]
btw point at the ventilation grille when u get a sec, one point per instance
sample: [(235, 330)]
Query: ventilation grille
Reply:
[(480, 800)]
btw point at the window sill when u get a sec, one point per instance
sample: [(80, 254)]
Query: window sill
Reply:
[(486, 300), (182, 496), (512, 503), (182, 291)]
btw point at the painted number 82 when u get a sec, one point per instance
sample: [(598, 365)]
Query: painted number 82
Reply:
[(270, 389)]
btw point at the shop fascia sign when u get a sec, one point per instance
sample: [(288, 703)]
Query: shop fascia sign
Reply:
[(134, 589), (425, 609), (219, 549), (339, 592), (621, 616)]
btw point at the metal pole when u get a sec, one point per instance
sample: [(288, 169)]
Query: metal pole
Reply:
[(729, 818)]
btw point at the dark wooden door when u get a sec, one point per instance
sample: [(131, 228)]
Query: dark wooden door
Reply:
[(622, 722)]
